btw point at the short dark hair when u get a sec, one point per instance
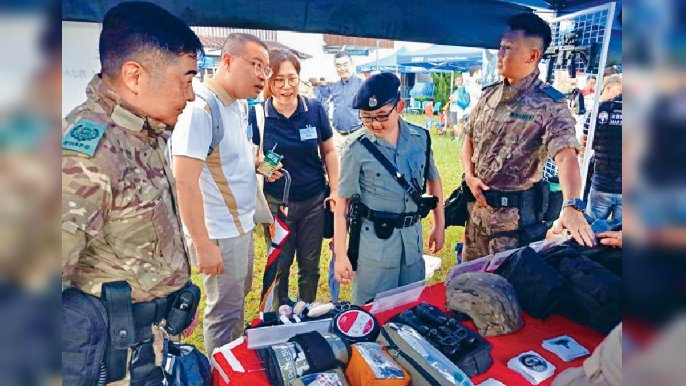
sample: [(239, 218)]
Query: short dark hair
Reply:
[(133, 29), (235, 43), (322, 79), (342, 54), (532, 26)]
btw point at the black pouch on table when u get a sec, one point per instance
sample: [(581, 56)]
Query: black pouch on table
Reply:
[(540, 287), (467, 349), (597, 294), (84, 337)]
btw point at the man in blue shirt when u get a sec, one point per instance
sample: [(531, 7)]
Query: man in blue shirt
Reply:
[(345, 119), (323, 93)]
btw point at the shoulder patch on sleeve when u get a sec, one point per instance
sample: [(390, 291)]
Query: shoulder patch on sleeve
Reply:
[(553, 93), (83, 137)]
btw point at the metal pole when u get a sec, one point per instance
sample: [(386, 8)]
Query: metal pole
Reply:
[(596, 100)]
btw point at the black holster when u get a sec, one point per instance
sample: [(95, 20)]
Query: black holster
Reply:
[(355, 226)]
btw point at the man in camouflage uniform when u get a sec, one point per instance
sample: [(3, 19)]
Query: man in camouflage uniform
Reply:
[(119, 221), (514, 126)]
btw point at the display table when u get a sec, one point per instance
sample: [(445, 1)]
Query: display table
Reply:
[(505, 347)]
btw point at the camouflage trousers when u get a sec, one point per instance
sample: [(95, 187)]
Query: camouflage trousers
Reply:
[(482, 225)]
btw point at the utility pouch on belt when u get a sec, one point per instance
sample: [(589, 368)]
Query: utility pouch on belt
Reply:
[(384, 227), (116, 297), (425, 363), (370, 364), (182, 310), (84, 337)]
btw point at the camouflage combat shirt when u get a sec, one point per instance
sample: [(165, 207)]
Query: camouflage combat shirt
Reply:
[(119, 221), (514, 128)]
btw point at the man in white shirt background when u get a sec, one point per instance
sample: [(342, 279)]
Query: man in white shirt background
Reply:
[(216, 191)]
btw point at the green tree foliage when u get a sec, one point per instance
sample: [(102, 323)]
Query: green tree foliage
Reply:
[(441, 87)]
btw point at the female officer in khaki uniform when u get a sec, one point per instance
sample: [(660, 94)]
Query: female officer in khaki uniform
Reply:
[(384, 264)]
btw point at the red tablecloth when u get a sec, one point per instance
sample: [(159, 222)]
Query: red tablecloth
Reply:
[(505, 347)]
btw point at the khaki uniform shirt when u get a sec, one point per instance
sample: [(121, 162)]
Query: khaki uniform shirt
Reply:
[(514, 127), (362, 174), (119, 221)]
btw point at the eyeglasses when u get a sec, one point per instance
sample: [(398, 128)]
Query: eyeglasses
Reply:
[(378, 118), (280, 82), (259, 67)]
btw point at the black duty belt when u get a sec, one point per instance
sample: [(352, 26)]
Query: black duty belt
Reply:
[(506, 199), (398, 220), (145, 314)]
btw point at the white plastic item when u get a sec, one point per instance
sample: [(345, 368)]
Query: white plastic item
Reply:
[(431, 264)]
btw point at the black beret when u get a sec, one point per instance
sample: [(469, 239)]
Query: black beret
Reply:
[(377, 91)]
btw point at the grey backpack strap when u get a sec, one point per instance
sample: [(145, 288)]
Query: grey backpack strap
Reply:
[(217, 126)]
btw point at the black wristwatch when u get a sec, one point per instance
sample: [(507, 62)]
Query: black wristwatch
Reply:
[(575, 203)]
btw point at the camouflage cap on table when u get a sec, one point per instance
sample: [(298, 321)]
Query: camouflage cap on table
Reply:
[(488, 299)]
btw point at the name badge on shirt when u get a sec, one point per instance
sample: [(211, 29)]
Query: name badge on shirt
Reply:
[(307, 133)]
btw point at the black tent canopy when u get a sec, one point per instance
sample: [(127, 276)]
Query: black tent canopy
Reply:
[(471, 23)]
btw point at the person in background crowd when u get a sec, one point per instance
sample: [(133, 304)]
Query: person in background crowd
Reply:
[(345, 118), (216, 187), (429, 114), (119, 221), (444, 117), (459, 103), (300, 130), (323, 94), (589, 86), (503, 168), (605, 196)]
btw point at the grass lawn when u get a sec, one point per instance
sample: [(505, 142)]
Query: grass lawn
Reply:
[(446, 154)]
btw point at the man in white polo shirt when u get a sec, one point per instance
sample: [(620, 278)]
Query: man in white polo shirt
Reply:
[(216, 191)]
